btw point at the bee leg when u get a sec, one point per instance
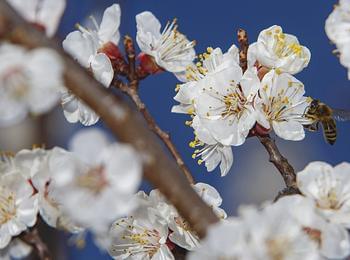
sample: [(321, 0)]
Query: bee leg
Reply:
[(313, 127)]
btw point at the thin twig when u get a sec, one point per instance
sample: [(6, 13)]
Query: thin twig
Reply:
[(132, 91), (130, 53), (243, 48), (125, 123), (32, 238), (281, 163), (165, 137)]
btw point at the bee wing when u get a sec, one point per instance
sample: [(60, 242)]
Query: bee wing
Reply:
[(341, 115)]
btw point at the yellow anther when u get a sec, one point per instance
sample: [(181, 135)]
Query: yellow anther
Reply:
[(190, 111), (188, 123), (200, 162), (209, 50), (278, 71), (192, 144)]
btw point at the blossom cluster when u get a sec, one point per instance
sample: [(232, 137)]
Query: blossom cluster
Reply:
[(312, 225), (337, 28), (86, 188), (227, 104)]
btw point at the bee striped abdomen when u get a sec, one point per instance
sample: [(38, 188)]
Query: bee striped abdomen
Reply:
[(330, 130)]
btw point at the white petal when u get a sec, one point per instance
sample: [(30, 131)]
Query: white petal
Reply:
[(289, 130), (19, 249), (80, 46), (226, 160), (88, 143), (102, 69), (109, 28), (26, 8), (50, 14), (148, 31)]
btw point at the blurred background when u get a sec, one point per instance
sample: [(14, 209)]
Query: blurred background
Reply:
[(252, 178)]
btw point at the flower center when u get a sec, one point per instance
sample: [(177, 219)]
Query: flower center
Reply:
[(15, 82), (277, 248), (94, 180), (7, 205), (138, 239), (330, 200), (314, 234), (280, 106), (282, 48), (173, 44)]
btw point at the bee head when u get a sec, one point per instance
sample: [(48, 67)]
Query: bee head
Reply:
[(314, 104)]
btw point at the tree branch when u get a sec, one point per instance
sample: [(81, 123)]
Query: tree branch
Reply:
[(124, 122), (32, 238), (281, 163)]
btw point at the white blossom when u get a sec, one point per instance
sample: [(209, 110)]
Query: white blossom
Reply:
[(208, 148), (211, 152), (33, 165), (170, 49), (329, 187), (44, 13), (337, 28), (137, 237), (271, 233), (160, 210), (332, 239), (225, 240), (224, 101), (15, 250), (91, 47), (18, 205), (281, 105), (96, 181), (277, 50), (27, 84), (182, 235)]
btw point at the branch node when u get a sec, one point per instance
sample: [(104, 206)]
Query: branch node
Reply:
[(243, 48)]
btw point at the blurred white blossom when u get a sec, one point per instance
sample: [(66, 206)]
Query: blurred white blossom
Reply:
[(281, 105), (43, 13), (338, 31), (96, 180), (277, 50), (329, 187), (265, 234), (15, 250), (224, 240), (33, 165), (169, 49), (92, 48), (27, 84), (332, 239)]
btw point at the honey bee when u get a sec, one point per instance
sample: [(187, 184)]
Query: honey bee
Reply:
[(319, 112)]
